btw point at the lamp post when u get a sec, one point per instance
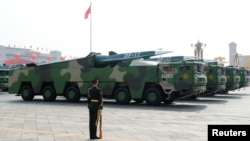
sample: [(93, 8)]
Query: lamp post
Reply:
[(160, 49)]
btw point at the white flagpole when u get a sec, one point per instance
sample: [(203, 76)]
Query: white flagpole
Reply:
[(90, 27)]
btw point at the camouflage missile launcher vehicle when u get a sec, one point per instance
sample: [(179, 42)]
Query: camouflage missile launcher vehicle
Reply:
[(244, 77), (4, 75), (123, 77), (233, 79), (216, 78), (215, 73), (185, 77)]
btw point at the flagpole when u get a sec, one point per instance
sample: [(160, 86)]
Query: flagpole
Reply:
[(90, 28)]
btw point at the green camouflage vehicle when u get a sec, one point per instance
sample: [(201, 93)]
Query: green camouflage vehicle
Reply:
[(244, 77), (187, 76), (4, 75), (233, 79), (123, 77), (216, 78)]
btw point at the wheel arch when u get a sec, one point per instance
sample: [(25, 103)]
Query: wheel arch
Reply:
[(151, 85), (118, 85), (25, 83), (68, 84)]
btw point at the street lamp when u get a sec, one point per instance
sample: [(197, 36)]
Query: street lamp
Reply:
[(160, 49)]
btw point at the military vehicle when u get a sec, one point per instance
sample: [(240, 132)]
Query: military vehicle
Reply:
[(244, 77), (122, 76), (4, 75), (216, 78), (185, 76), (233, 79)]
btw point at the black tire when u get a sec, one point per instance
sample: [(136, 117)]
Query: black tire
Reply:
[(49, 93), (153, 96), (72, 94), (27, 93), (122, 95)]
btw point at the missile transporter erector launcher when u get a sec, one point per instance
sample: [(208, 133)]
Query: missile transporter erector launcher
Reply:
[(244, 77), (122, 77), (4, 74), (216, 78), (233, 79), (184, 78)]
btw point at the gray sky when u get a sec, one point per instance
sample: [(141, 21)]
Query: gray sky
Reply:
[(126, 25)]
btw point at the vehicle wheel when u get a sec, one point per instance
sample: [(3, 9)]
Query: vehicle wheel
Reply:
[(153, 96), (49, 93), (27, 93), (72, 94), (122, 95)]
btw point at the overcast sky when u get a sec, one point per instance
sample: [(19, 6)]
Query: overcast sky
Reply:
[(127, 25)]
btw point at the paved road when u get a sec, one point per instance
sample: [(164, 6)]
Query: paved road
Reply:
[(63, 121)]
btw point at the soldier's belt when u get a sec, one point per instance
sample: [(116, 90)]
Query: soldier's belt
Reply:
[(94, 100)]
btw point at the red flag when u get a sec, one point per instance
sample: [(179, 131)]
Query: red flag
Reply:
[(87, 12)]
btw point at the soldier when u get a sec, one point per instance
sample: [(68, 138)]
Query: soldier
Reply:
[(95, 104)]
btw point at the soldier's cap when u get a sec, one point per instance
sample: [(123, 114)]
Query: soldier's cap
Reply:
[(94, 80)]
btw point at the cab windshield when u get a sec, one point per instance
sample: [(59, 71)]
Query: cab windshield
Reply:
[(247, 73), (236, 72), (221, 70), (199, 67)]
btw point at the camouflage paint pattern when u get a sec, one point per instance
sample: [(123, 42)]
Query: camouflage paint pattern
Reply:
[(137, 79), (185, 79)]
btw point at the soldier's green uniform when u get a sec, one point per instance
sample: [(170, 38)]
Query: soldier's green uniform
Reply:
[(95, 105)]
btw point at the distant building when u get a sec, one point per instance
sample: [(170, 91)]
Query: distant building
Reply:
[(14, 55), (232, 52), (236, 59)]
